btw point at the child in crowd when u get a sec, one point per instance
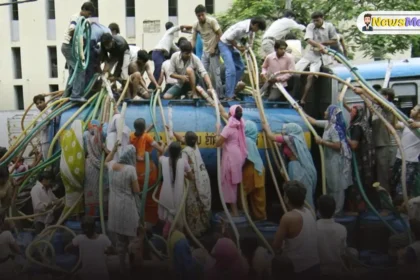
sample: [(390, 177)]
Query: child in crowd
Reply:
[(93, 250), (331, 238)]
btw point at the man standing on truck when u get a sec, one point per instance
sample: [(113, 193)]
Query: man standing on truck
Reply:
[(319, 33), (278, 30), (78, 84), (210, 32), (115, 52), (165, 46), (46, 132), (278, 60)]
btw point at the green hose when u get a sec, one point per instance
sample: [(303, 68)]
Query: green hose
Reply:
[(82, 31), (145, 187), (359, 182)]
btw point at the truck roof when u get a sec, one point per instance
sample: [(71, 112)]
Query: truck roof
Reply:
[(376, 70)]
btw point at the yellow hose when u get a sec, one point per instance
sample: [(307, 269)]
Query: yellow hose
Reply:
[(258, 102), (124, 91), (162, 113), (68, 122)]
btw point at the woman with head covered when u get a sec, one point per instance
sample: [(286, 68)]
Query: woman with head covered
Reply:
[(234, 154), (123, 217), (301, 166)]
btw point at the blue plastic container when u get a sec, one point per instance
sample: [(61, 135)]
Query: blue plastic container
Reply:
[(268, 229)]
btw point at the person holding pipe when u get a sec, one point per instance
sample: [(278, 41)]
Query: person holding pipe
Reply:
[(231, 51), (78, 84), (136, 71), (318, 34)]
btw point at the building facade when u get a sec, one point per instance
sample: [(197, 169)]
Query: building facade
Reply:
[(30, 40)]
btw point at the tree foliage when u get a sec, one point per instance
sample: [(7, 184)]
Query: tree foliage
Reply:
[(342, 13)]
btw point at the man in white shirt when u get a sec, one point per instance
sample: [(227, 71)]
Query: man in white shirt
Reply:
[(294, 46), (332, 238), (411, 149), (278, 30), (187, 68), (78, 84), (210, 32), (164, 75), (318, 34), (165, 46), (43, 199), (231, 51)]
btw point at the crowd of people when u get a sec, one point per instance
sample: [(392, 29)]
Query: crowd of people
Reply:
[(212, 59), (305, 247)]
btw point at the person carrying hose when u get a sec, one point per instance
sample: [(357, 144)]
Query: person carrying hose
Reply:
[(231, 51), (382, 139), (143, 143), (337, 154), (136, 69), (188, 69), (254, 173), (318, 34), (234, 155), (301, 165), (199, 196), (361, 142), (115, 52), (78, 85)]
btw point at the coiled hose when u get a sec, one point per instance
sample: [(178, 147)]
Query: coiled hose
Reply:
[(80, 52)]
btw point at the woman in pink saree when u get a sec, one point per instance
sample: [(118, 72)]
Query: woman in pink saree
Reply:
[(234, 154)]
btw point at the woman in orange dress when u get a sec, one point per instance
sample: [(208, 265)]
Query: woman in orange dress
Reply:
[(145, 143)]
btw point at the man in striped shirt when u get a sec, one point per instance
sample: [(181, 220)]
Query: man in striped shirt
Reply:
[(78, 84)]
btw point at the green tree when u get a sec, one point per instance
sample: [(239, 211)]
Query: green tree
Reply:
[(337, 12)]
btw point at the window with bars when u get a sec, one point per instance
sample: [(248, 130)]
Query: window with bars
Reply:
[(52, 55), (17, 61), (173, 8), (96, 4), (51, 9), (53, 88), (130, 8), (209, 4), (20, 104), (15, 10)]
